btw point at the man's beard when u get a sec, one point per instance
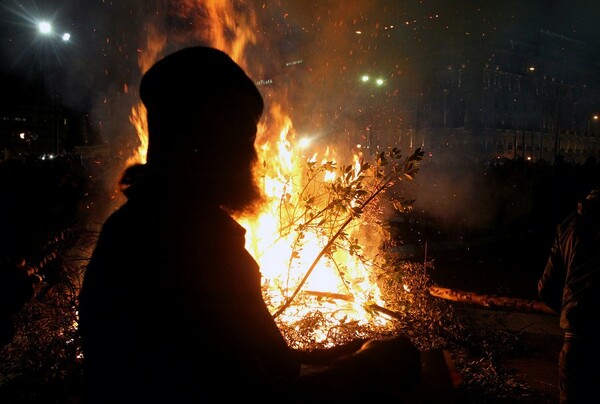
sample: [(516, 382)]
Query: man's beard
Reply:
[(242, 195)]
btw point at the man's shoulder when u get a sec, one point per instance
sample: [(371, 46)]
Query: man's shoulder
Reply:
[(572, 219)]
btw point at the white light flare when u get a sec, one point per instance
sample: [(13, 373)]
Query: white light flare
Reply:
[(45, 27)]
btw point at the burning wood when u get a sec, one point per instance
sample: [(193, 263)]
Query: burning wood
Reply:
[(330, 295), (375, 307), (492, 302)]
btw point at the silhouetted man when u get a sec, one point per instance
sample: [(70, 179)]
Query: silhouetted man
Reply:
[(171, 307)]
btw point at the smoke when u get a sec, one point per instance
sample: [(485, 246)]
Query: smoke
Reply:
[(457, 196), (309, 53), (308, 56)]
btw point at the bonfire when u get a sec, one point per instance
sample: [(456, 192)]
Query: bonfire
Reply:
[(320, 240)]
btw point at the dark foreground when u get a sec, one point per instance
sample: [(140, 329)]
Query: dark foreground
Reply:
[(502, 356)]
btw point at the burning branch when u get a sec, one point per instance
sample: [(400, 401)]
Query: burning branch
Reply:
[(350, 298), (492, 302), (330, 295), (349, 195)]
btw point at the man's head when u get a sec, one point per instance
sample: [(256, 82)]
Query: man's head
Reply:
[(192, 96), (590, 206), (203, 111), (194, 77)]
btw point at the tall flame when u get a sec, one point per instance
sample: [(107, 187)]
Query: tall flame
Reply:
[(287, 250), (291, 256)]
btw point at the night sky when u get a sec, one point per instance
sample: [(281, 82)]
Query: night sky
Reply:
[(98, 69)]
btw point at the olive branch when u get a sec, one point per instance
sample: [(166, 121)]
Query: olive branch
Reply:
[(329, 207)]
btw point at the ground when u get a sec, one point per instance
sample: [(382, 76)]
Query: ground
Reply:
[(506, 266)]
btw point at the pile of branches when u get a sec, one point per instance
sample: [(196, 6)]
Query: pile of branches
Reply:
[(42, 363)]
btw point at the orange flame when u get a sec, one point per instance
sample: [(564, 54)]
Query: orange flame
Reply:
[(286, 250), (275, 238)]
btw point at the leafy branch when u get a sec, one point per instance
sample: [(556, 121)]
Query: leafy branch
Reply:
[(346, 197)]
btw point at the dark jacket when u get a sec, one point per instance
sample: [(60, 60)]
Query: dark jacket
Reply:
[(171, 307), (570, 283)]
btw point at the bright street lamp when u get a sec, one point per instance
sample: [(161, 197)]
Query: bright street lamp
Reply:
[(365, 78), (45, 28)]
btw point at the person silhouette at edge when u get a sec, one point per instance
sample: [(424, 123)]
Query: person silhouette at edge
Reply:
[(570, 285), (171, 307)]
